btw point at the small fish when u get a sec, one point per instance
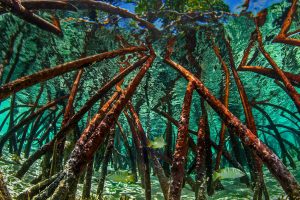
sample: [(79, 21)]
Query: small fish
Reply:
[(121, 176), (228, 173), (106, 21), (157, 143)]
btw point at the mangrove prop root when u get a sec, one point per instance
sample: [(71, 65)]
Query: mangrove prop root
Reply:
[(105, 162), (138, 147), (48, 4), (75, 118), (16, 8), (283, 36), (294, 78), (285, 153), (102, 91), (69, 189), (85, 148), (208, 151), (49, 73), (48, 146), (276, 167), (145, 159), (271, 73), (181, 148), (129, 151), (34, 190), (10, 132), (250, 122), (225, 102), (156, 164), (226, 155), (200, 161), (291, 91), (58, 155)]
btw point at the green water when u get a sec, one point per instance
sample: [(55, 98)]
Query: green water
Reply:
[(33, 49)]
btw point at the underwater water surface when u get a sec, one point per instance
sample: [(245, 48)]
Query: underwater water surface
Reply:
[(157, 99)]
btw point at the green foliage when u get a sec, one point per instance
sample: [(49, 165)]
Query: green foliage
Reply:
[(205, 5), (144, 6)]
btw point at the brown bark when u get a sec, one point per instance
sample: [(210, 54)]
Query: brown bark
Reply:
[(48, 5), (16, 8), (69, 110), (289, 87), (295, 79), (245, 6), (69, 191), (147, 151), (250, 122), (105, 161), (283, 36), (49, 73), (145, 159), (181, 148), (276, 167), (271, 73), (90, 140), (49, 146), (246, 54), (225, 102), (228, 157), (159, 171), (201, 161), (129, 152), (138, 147), (191, 43), (103, 90)]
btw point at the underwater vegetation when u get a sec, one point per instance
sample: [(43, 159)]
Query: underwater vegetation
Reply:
[(157, 99)]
